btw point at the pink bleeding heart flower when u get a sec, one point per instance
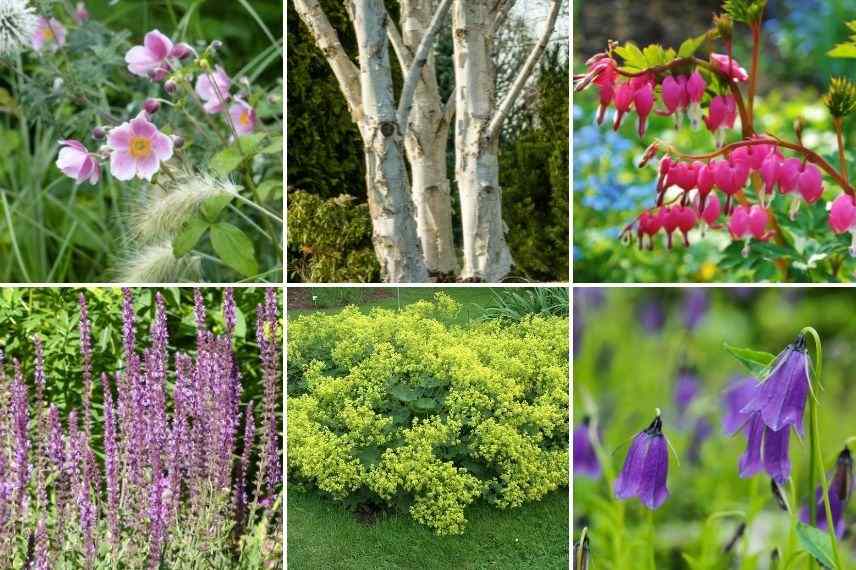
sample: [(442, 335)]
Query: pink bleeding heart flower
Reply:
[(695, 87), (243, 117), (711, 210), (721, 114), (705, 182), (150, 58), (842, 214), (81, 14), (758, 220), (686, 219), (213, 89), (770, 172), (730, 177), (673, 94), (728, 66), (75, 161), (138, 149), (607, 92), (787, 174), (682, 175), (810, 183), (48, 34), (671, 221), (644, 101), (738, 223), (752, 156), (649, 224)]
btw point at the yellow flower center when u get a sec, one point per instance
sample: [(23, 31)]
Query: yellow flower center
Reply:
[(140, 147), (47, 33), (245, 119)]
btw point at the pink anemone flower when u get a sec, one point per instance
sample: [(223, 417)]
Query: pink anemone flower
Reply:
[(76, 162), (48, 33), (728, 66), (138, 149), (151, 56), (213, 89), (243, 117)]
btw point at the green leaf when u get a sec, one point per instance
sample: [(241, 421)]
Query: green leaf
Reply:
[(212, 207), (189, 236), (690, 45), (755, 361), (234, 248), (426, 404), (632, 55), (275, 146), (816, 543), (269, 188), (226, 160), (654, 55), (369, 456), (403, 393), (843, 50)]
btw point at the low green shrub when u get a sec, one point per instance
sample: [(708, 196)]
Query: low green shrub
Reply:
[(403, 408)]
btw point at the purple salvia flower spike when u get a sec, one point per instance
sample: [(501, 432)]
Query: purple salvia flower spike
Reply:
[(585, 458), (128, 323), (39, 372), (646, 468), (229, 310), (241, 486), (20, 441), (86, 353), (782, 396), (111, 462), (41, 556), (199, 313)]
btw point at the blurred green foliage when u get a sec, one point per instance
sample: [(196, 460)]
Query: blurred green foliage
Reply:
[(623, 371)]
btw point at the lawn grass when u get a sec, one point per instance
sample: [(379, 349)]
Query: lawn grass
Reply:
[(472, 300), (324, 535)]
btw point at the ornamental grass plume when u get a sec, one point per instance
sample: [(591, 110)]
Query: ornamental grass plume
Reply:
[(173, 487), (18, 22), (646, 467)]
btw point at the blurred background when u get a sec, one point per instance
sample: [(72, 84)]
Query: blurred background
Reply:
[(609, 191), (636, 350)]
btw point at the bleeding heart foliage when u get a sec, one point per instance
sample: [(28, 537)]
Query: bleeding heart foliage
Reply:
[(404, 409)]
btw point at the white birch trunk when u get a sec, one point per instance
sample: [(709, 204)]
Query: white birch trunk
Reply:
[(486, 254), (372, 105), (426, 144)]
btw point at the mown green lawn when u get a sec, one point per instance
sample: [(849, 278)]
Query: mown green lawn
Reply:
[(323, 535), (472, 299)]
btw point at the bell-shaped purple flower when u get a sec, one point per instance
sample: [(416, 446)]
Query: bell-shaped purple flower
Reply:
[(585, 458), (840, 488), (695, 307), (781, 398), (686, 389), (736, 397), (766, 450), (701, 433), (646, 468), (652, 317)]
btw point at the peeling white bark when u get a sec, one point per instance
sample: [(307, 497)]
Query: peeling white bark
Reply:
[(486, 254), (394, 229), (423, 118), (368, 90)]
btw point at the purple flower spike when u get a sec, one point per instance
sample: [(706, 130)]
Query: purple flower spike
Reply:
[(646, 468), (736, 396), (585, 459), (781, 398), (840, 488), (86, 353), (766, 450)]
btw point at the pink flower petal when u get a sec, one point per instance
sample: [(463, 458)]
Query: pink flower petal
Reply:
[(122, 165), (119, 138), (158, 44), (162, 146), (148, 166), (142, 127)]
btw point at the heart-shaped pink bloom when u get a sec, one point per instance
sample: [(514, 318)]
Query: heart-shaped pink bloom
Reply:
[(770, 172), (738, 223), (213, 89), (842, 214), (649, 224), (728, 66), (695, 87), (752, 156), (686, 218), (810, 183), (76, 162), (730, 178), (673, 93), (788, 173), (643, 99), (712, 209), (243, 117), (722, 113), (705, 180), (607, 92), (758, 220), (151, 56), (622, 100), (48, 34), (138, 148)]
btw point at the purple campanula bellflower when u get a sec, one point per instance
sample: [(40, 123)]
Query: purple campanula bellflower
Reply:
[(646, 467), (840, 488), (585, 458)]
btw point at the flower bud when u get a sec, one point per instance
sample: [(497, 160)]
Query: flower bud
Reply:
[(216, 45), (181, 50), (159, 74), (151, 106), (177, 141), (98, 133), (170, 86), (81, 14)]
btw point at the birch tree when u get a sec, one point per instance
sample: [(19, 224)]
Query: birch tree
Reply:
[(369, 92), (477, 128)]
